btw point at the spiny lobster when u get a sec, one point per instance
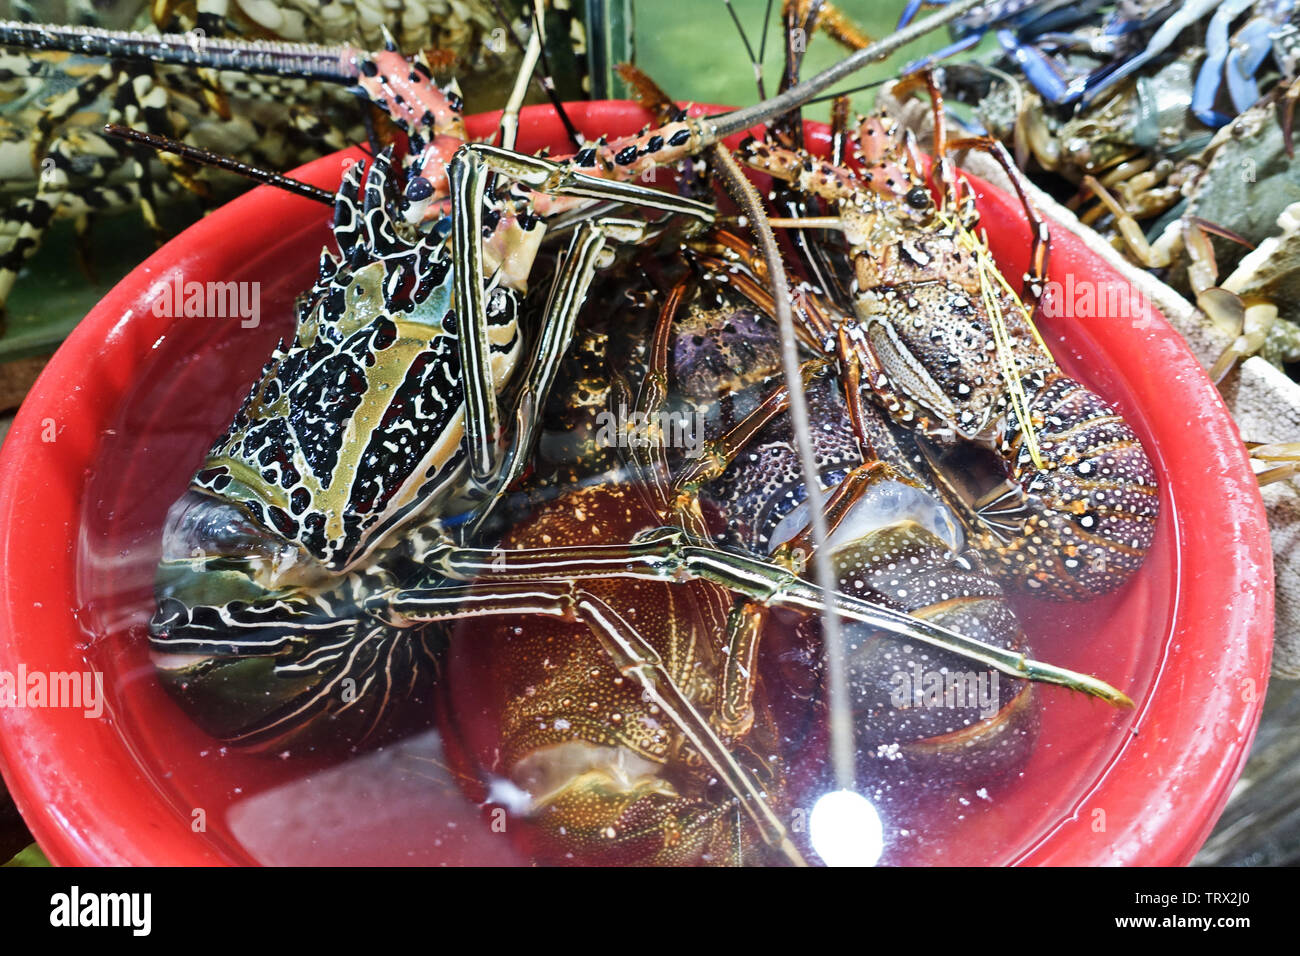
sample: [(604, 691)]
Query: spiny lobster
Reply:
[(931, 331)]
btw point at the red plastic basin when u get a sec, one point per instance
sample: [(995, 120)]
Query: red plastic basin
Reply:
[(1190, 640)]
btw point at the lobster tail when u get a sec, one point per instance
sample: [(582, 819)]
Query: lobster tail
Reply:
[(1089, 516), (942, 717)]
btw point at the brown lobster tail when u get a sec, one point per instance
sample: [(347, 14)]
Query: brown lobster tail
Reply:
[(1092, 512)]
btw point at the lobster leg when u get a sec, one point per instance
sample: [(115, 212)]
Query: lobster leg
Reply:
[(744, 625), (722, 450), (1035, 277), (816, 328), (509, 125), (711, 605), (469, 172), (568, 292), (31, 216), (736, 710), (815, 317), (653, 466), (52, 158), (670, 554), (632, 654), (136, 99), (65, 106)]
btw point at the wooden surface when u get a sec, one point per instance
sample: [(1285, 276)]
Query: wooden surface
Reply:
[(1261, 824)]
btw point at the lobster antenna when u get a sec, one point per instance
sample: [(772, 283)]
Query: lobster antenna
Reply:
[(548, 82), (762, 43), (728, 124), (305, 60), (208, 158), (744, 38), (841, 713), (851, 90), (338, 63)]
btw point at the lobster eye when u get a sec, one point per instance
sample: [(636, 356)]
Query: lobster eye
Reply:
[(418, 189), (918, 197)]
